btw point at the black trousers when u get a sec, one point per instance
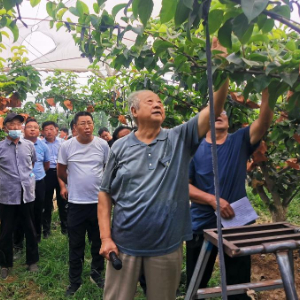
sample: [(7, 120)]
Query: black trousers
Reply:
[(52, 184), (238, 269), (9, 215), (82, 219), (38, 211)]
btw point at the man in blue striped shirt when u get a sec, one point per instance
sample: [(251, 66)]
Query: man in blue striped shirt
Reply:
[(50, 132)]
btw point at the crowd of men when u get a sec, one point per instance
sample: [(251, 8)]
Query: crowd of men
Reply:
[(146, 175)]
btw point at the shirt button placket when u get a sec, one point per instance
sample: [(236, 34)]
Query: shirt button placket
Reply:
[(149, 158)]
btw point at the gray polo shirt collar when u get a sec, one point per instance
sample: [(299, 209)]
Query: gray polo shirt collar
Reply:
[(133, 140), (9, 142)]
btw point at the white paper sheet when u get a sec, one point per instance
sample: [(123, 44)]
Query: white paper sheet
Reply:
[(244, 214)]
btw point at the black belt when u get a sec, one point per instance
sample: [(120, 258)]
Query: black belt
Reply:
[(52, 169)]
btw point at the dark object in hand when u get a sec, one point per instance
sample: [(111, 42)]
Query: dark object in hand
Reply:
[(116, 262)]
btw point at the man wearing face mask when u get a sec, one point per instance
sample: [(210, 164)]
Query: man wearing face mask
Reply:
[(17, 185)]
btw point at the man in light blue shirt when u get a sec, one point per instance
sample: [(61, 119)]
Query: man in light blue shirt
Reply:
[(31, 132), (51, 180)]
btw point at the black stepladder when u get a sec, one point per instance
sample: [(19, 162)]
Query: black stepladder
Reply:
[(278, 238)]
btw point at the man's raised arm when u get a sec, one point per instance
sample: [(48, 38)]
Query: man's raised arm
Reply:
[(260, 126), (219, 96)]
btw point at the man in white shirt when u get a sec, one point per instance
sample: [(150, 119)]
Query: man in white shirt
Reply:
[(80, 165)]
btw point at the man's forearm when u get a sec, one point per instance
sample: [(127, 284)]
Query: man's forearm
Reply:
[(198, 196), (220, 96), (219, 100), (104, 214)]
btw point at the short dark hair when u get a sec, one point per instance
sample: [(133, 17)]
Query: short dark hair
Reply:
[(47, 123), (101, 130), (31, 120), (82, 114), (118, 129), (72, 124), (64, 129)]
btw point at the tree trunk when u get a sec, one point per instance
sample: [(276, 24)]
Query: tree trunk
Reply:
[(278, 212)]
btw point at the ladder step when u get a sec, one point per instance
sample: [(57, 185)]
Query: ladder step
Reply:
[(237, 289)]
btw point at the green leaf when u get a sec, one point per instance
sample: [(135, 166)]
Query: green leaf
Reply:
[(181, 14), (9, 4), (117, 8), (261, 82), (74, 11), (34, 3), (268, 26), (252, 8), (14, 29), (224, 34), (21, 78), (251, 63), (82, 8), (272, 66), (50, 7), (259, 38), (100, 2), (145, 8), (290, 78), (135, 5), (61, 12), (258, 57), (161, 46), (242, 29), (188, 4), (282, 10), (261, 21), (234, 58), (96, 8), (276, 89), (215, 19), (167, 10), (290, 45)]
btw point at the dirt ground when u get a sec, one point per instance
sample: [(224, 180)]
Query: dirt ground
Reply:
[(265, 267)]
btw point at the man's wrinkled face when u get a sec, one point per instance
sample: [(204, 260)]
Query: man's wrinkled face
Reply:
[(106, 136), (222, 121), (49, 132), (151, 108), (31, 130)]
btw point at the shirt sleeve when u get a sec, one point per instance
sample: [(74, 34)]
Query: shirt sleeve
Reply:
[(189, 133), (109, 173), (62, 155), (46, 153)]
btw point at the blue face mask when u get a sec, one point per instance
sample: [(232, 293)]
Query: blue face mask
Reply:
[(14, 134)]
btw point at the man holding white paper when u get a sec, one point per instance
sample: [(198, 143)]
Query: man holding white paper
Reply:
[(233, 151)]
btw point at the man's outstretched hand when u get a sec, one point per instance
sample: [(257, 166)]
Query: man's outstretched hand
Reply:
[(215, 45)]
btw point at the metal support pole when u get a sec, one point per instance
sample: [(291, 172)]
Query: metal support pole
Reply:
[(291, 259), (199, 270), (283, 259)]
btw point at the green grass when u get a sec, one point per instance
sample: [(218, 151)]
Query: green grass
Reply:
[(51, 281)]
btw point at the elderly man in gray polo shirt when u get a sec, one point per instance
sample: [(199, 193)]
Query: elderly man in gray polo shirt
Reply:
[(146, 179), (17, 194)]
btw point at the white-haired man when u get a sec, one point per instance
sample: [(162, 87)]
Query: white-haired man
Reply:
[(146, 178)]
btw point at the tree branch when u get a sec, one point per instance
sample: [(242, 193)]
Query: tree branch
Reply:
[(289, 200), (262, 194)]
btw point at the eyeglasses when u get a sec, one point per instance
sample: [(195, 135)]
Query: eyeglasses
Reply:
[(84, 124), (224, 113), (32, 127)]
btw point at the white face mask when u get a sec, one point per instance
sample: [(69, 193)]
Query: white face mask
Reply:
[(14, 134)]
